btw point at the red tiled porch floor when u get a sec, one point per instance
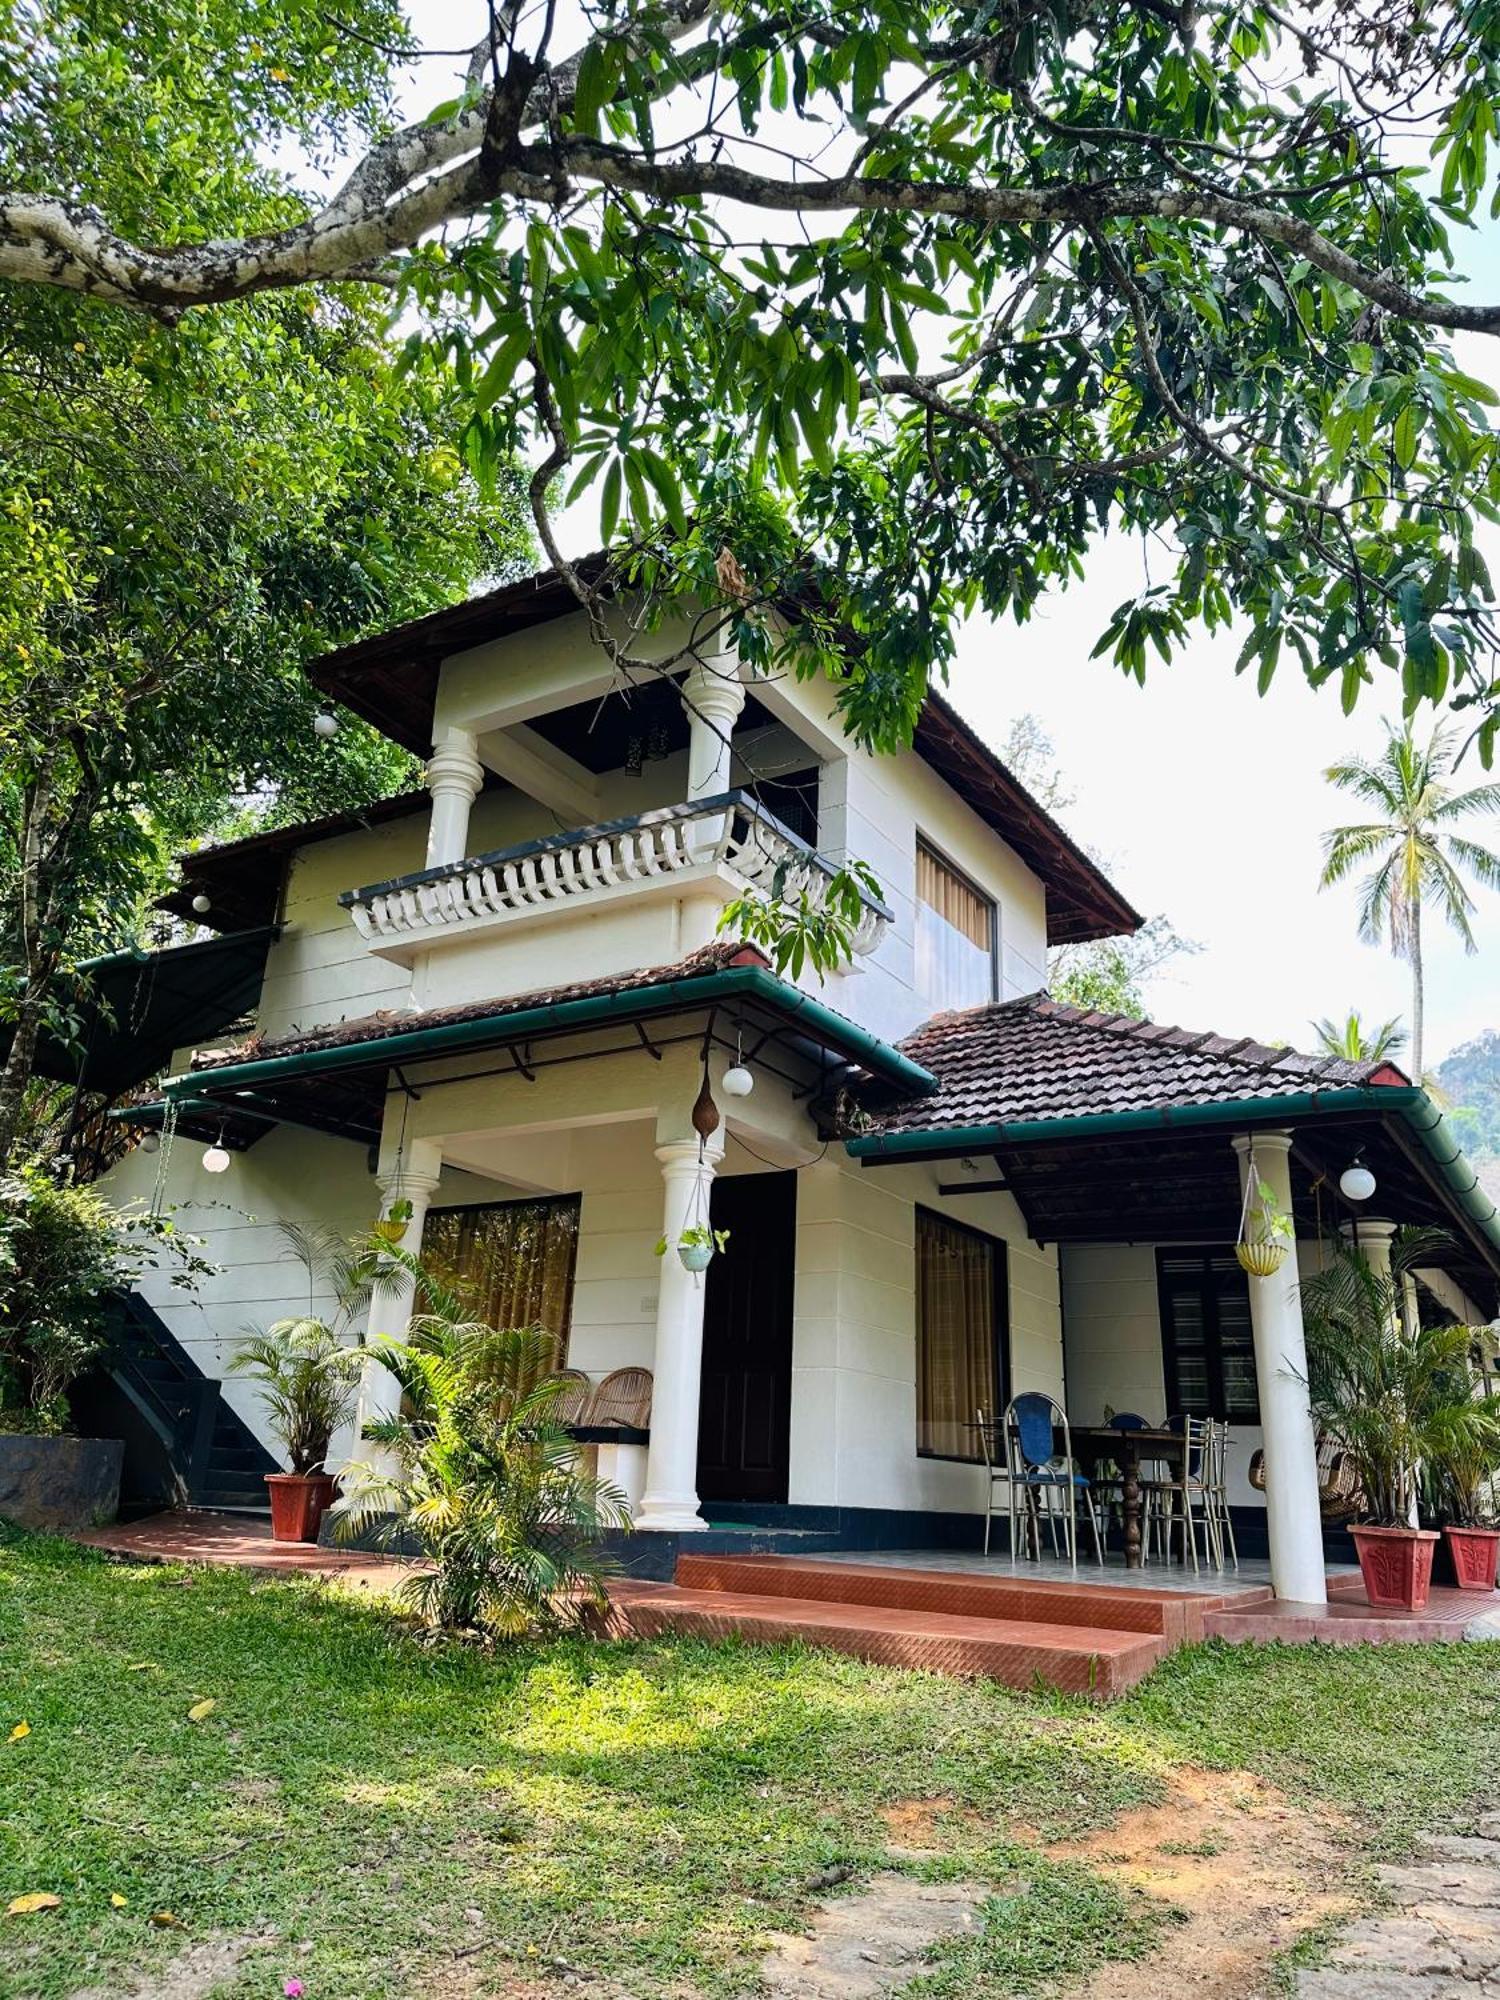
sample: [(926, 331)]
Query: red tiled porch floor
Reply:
[(239, 1541), (1349, 1619)]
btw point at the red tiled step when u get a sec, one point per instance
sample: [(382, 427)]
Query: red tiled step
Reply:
[(1019, 1652), (1349, 1619), (1176, 1615)]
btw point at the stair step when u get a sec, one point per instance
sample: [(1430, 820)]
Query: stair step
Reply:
[(1175, 1615), (210, 1500), (1078, 1659)]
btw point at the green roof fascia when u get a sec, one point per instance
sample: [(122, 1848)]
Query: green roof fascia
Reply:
[(1414, 1106), (751, 982)]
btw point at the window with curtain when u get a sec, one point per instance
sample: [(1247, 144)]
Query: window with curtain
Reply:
[(960, 1335), (514, 1260), (1208, 1351), (955, 936)]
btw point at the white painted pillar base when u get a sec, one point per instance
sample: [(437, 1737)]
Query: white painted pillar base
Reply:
[(415, 1180), (1294, 1524), (454, 778), (713, 697), (623, 1466), (671, 1497)]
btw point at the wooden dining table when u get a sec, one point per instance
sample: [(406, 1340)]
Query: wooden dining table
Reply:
[(1095, 1443)]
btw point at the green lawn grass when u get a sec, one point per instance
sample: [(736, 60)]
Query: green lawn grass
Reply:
[(645, 1812)]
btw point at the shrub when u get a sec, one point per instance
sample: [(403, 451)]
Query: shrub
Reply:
[(485, 1478), (63, 1251)]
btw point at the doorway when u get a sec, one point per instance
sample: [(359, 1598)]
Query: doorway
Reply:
[(744, 1424)]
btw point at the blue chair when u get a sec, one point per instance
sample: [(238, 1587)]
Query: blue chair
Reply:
[(1040, 1473)]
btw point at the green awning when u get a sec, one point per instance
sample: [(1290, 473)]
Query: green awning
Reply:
[(141, 1005)]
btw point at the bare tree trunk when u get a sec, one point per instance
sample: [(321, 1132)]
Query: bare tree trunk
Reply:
[(1418, 993)]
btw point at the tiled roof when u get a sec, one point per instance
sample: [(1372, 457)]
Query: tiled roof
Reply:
[(1034, 1058), (399, 1020)]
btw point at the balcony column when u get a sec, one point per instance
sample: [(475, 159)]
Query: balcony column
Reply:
[(1294, 1523), (713, 695), (454, 776), (414, 1179), (671, 1497)]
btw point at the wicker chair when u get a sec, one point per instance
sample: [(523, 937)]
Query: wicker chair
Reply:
[(1340, 1497), (573, 1399), (623, 1398)]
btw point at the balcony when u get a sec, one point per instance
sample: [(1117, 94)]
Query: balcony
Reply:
[(705, 853)]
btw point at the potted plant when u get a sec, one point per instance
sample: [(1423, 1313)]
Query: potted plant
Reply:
[(1395, 1395), (309, 1378), (696, 1245), (1465, 1474), (1266, 1235)]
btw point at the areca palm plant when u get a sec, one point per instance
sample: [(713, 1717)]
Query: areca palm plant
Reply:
[(1415, 855), (1395, 1395), (484, 1478)]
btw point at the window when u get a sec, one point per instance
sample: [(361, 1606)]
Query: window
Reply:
[(1208, 1352), (961, 1342), (955, 936), (794, 800), (513, 1259)]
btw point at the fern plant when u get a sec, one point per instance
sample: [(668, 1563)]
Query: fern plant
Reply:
[(1397, 1396), (482, 1477), (309, 1379)]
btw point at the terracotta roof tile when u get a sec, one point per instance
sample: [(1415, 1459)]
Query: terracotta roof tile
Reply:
[(1035, 1058)]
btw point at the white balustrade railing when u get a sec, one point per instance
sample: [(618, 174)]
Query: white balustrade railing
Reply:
[(731, 832)]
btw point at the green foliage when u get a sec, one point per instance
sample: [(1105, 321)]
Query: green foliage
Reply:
[(485, 1478), (808, 928), (308, 1377), (1352, 1041), (1395, 1394), (1470, 1080), (697, 1236), (63, 1251)]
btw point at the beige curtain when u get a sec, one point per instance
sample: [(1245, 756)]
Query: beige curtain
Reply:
[(513, 1262), (956, 1337), (941, 889)]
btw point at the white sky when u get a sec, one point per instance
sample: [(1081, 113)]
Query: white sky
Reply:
[(1207, 801)]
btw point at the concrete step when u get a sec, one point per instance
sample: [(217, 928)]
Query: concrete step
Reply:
[(1019, 1652), (1175, 1615)]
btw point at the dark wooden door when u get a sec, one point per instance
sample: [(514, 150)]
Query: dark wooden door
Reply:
[(745, 1415)]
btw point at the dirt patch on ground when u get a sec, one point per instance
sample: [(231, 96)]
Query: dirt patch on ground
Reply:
[(190, 1976), (1248, 1870), (915, 1825), (872, 1942)]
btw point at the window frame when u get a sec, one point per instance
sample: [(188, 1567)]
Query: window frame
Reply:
[(1209, 1288), (999, 1250), (980, 894)]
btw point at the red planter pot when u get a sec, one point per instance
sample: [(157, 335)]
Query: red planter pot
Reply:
[(1396, 1564), (299, 1500), (1473, 1552)]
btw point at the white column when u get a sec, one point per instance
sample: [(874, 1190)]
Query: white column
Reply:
[(1293, 1520), (414, 1180), (454, 776), (713, 696), (671, 1497)]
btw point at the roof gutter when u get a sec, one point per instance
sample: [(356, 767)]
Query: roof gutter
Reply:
[(1416, 1109), (750, 982)]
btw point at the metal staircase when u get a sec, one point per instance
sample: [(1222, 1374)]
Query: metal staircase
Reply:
[(214, 1459)]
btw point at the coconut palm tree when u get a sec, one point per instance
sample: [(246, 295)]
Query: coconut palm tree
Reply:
[(1354, 1042), (1414, 854)]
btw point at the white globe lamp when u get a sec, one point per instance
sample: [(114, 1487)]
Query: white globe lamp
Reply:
[(325, 725), (1356, 1182), (216, 1161), (202, 904), (738, 1081)]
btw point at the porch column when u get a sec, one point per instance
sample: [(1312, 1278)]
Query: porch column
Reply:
[(671, 1497), (1293, 1519), (414, 1180), (713, 695), (454, 776)]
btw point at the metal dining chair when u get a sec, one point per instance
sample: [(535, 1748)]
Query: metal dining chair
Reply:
[(1180, 1496), (1109, 1487), (996, 1472), (1039, 1472)]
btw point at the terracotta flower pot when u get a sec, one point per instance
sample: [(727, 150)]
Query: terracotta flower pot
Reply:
[(1396, 1564), (1473, 1552), (299, 1500)]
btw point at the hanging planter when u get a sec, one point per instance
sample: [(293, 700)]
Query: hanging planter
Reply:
[(696, 1246), (391, 1228), (1266, 1235)]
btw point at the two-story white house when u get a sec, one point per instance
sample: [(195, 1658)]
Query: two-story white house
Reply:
[(499, 1000)]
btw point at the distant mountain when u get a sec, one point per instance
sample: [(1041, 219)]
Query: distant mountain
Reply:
[(1470, 1080)]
